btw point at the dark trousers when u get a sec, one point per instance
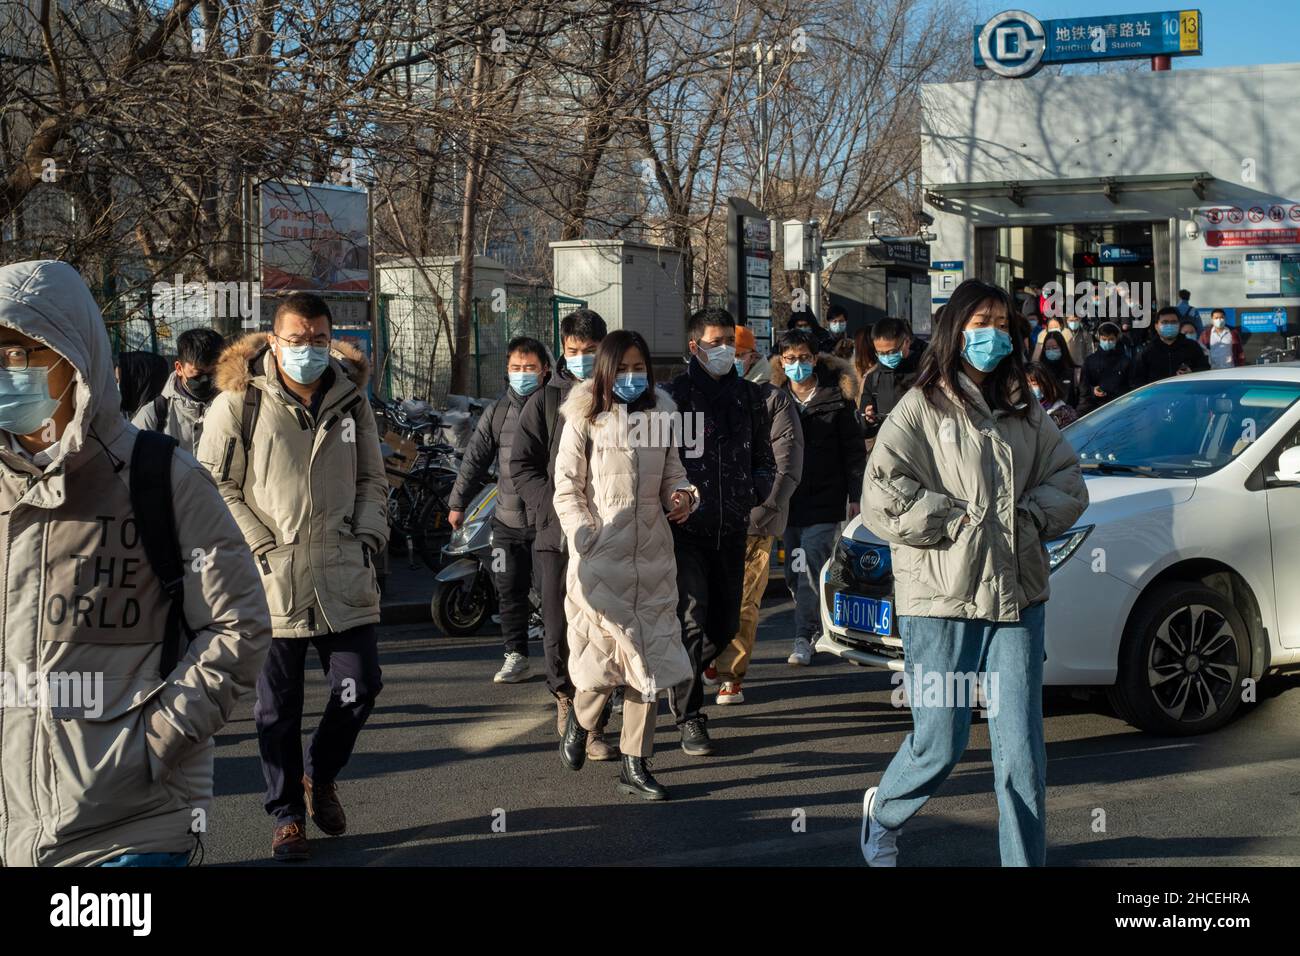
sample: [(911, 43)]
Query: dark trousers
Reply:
[(512, 573), (710, 581), (350, 661), (551, 568)]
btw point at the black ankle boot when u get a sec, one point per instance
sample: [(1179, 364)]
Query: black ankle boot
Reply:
[(573, 746), (636, 780)]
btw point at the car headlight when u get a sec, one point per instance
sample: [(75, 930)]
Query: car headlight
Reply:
[(1060, 549)]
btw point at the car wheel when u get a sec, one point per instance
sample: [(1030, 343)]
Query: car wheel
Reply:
[(1185, 652)]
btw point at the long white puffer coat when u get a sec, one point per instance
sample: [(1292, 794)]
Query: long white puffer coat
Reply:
[(611, 500)]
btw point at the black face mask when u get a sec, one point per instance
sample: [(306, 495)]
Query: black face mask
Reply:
[(201, 387)]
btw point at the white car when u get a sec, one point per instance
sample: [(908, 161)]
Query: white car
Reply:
[(1180, 584)]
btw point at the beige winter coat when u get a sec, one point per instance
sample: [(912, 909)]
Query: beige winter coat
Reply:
[(132, 772), (310, 496), (622, 576), (1016, 480)]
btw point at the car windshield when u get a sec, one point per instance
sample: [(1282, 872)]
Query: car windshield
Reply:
[(1180, 428)]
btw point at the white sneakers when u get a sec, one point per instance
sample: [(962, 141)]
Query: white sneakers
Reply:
[(513, 670), (802, 654), (879, 846)]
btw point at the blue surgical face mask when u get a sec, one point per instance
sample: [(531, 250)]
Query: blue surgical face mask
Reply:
[(580, 366), (628, 386), (1074, 326), (525, 383), (1168, 330), (1052, 355), (986, 347), (839, 327), (1107, 344), (304, 363), (798, 371), (1190, 335), (890, 359), (1038, 392), (740, 367), (25, 400)]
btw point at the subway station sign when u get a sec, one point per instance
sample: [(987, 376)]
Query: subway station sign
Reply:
[(1016, 44)]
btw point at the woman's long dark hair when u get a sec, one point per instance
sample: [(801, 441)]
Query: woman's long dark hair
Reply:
[(1066, 358), (864, 352), (142, 376), (608, 355), (1047, 381), (1003, 388)]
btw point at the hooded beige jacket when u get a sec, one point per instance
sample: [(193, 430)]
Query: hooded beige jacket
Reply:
[(622, 575), (1015, 480), (128, 768), (310, 495)]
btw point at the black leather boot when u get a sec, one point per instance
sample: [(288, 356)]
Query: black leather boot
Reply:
[(573, 746), (636, 780)]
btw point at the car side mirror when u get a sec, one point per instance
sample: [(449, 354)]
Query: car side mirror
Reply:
[(1288, 466)]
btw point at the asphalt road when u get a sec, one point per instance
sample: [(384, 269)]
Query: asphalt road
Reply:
[(447, 754)]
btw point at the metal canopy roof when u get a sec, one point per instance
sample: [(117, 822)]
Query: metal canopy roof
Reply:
[(1109, 186)]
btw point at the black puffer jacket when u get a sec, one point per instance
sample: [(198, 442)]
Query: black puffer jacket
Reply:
[(884, 387), (493, 438), (737, 467), (834, 456), (1109, 371), (1159, 359), (532, 457)]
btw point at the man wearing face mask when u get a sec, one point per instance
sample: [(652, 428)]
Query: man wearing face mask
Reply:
[(1106, 372), (1168, 353), (1222, 342), (179, 410), (898, 359), (108, 761), (837, 320), (735, 474), (528, 368), (292, 443), (751, 364), (532, 469)]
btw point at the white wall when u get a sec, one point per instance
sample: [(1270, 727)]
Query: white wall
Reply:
[(1142, 123)]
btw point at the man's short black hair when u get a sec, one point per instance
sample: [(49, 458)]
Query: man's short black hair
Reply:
[(889, 329), (529, 346), (199, 347), (702, 318), (837, 312), (1168, 310), (582, 324), (1108, 328), (793, 338), (1214, 312), (1184, 294), (306, 304)]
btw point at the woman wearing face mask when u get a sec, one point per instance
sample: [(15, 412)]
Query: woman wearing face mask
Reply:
[(616, 489), (141, 377), (1047, 390), (1080, 340), (1059, 363), (966, 482)]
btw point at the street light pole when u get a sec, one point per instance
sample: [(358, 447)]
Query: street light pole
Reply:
[(761, 55)]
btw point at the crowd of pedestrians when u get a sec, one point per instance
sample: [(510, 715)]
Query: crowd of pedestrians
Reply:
[(243, 487)]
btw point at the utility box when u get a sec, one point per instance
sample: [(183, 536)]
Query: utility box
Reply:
[(633, 285), (800, 246), (420, 312)]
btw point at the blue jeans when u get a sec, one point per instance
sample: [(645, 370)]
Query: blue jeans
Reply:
[(1009, 657), (817, 542), (150, 859)]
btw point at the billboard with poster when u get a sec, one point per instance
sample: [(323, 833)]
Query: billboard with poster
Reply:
[(315, 238)]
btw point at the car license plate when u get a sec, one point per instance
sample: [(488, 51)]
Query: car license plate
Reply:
[(863, 613)]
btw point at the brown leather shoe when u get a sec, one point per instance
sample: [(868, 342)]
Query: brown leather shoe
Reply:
[(598, 749), (324, 808), (562, 707), (290, 843)]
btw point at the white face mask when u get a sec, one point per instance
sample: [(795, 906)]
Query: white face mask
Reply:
[(719, 360)]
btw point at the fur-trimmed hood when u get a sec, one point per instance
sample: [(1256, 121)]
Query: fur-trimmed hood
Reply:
[(829, 370), (577, 406), (240, 362)]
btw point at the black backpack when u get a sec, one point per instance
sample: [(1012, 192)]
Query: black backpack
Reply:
[(155, 517), (160, 408)]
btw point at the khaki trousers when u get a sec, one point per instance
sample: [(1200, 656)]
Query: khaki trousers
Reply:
[(637, 738), (734, 659)]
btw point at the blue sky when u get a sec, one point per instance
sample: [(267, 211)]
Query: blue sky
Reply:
[(1235, 32)]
